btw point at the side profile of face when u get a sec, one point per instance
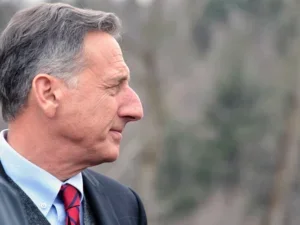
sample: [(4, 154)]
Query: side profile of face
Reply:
[(93, 115)]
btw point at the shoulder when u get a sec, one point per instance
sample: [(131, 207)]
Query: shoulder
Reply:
[(107, 184), (125, 201)]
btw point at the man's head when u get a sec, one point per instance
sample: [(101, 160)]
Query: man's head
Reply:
[(63, 70)]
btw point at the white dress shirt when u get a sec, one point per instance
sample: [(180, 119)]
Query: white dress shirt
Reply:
[(39, 185)]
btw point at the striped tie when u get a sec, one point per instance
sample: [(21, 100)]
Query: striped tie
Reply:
[(71, 199)]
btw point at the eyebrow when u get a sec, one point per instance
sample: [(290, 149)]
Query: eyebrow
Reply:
[(122, 75), (121, 78)]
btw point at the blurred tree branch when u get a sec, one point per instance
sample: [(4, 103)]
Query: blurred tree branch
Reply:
[(287, 162), (288, 144)]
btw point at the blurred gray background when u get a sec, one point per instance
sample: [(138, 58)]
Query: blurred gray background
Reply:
[(220, 84)]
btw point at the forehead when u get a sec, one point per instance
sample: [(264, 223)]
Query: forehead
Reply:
[(103, 52)]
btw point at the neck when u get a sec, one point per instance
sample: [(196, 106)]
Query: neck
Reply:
[(36, 145)]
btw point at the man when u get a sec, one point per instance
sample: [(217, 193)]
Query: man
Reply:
[(65, 95)]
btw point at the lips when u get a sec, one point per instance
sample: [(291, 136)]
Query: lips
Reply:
[(117, 130), (116, 134)]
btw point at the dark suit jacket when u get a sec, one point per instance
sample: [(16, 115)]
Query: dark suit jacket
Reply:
[(10, 207), (111, 202)]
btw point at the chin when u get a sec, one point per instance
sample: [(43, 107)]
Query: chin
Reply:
[(105, 156), (111, 157), (109, 160)]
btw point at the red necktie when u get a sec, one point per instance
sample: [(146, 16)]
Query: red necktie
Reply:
[(71, 199)]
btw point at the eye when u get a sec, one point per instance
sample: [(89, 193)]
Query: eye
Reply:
[(118, 86), (115, 89)]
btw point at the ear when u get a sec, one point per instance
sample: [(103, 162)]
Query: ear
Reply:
[(46, 91)]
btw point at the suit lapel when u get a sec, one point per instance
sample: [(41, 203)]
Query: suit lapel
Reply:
[(99, 201)]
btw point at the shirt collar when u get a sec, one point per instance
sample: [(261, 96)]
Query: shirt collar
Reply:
[(40, 186)]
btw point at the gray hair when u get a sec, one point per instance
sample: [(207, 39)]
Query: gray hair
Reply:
[(47, 38)]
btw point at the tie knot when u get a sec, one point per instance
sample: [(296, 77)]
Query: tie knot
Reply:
[(70, 196)]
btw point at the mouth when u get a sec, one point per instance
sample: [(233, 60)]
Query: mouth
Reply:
[(117, 130), (116, 134)]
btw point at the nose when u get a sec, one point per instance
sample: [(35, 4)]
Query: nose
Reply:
[(130, 106)]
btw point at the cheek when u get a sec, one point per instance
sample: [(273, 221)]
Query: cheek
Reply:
[(90, 112), (101, 111), (87, 122)]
